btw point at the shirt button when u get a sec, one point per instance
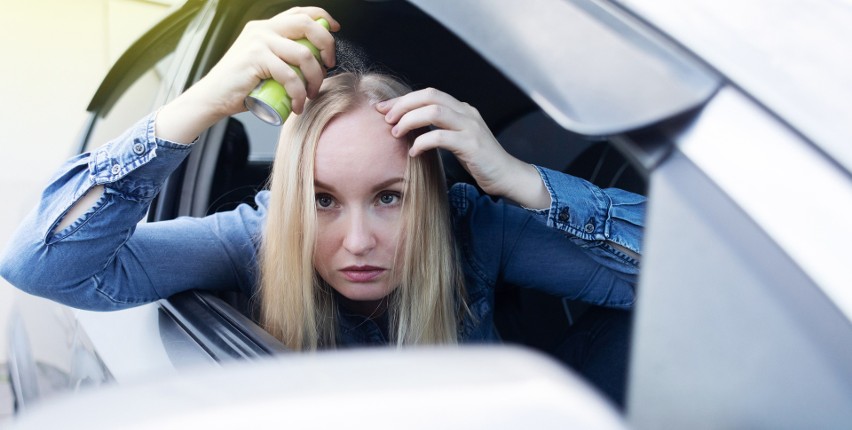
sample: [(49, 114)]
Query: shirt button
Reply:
[(138, 148), (115, 169), (589, 228), (564, 215)]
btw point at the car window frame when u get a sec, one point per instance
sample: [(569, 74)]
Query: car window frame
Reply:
[(144, 53), (665, 80), (220, 329)]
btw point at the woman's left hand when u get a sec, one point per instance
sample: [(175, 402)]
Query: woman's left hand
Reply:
[(460, 129)]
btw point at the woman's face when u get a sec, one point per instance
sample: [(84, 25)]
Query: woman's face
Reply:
[(358, 179)]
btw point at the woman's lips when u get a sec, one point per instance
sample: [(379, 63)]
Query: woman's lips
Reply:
[(361, 273)]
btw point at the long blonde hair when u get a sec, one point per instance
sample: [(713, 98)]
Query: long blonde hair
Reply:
[(296, 305)]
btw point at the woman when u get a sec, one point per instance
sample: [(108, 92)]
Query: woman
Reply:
[(364, 223), (357, 241)]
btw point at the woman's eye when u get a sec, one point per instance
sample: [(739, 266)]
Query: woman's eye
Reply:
[(388, 199), (324, 201)]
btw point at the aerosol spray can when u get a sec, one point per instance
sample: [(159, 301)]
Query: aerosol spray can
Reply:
[(269, 100)]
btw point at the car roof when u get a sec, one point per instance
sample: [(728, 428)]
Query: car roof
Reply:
[(792, 57)]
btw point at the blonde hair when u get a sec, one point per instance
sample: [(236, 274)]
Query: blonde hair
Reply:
[(296, 305)]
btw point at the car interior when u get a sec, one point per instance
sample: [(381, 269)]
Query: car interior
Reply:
[(443, 61)]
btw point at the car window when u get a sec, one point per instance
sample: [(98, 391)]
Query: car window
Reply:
[(142, 75), (137, 101), (262, 138)]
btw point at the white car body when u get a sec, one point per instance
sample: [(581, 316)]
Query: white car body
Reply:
[(738, 114)]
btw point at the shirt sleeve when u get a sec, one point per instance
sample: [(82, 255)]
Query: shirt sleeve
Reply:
[(105, 260), (596, 218), (561, 250)]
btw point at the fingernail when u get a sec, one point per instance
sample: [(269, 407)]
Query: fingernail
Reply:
[(394, 131), (381, 105)]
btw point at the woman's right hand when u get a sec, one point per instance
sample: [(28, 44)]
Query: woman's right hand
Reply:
[(265, 49)]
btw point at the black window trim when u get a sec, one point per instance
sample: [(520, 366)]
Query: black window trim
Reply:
[(155, 44), (222, 331)]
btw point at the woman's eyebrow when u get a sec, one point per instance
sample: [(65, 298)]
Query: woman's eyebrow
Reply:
[(378, 187), (385, 184), (320, 184)]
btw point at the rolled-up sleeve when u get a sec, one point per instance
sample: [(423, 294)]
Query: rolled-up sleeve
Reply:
[(100, 261), (596, 218), (131, 167), (503, 244), (116, 163)]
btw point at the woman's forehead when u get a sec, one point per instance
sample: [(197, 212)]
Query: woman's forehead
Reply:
[(359, 145)]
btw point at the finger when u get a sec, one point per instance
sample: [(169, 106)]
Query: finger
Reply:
[(318, 36), (417, 99), (315, 13), (296, 54), (438, 138), (385, 106), (300, 23), (430, 115), (313, 73), (286, 76)]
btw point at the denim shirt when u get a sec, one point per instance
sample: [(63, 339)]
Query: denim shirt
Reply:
[(106, 260)]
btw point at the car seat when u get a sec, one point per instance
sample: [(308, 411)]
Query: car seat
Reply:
[(529, 317), (236, 180)]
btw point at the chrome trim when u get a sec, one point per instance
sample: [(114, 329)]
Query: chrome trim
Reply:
[(220, 330)]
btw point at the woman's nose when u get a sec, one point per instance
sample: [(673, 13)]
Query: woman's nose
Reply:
[(359, 239)]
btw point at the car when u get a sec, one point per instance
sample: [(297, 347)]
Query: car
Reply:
[(734, 130)]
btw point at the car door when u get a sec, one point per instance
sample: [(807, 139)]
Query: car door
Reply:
[(743, 316), (55, 349), (193, 327)]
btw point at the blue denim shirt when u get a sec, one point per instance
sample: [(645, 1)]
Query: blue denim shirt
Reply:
[(105, 260)]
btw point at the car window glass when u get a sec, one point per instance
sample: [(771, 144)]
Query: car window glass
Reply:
[(133, 104)]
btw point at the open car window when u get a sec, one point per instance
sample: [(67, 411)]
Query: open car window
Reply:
[(138, 80), (135, 102)]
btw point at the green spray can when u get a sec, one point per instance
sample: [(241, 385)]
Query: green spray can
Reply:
[(269, 100)]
